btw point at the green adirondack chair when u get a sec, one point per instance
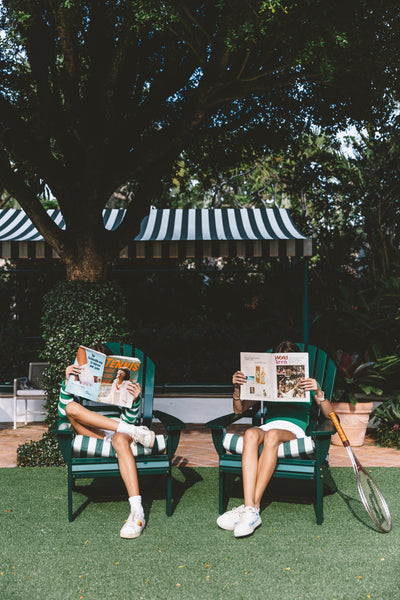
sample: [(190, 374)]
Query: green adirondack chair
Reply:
[(306, 467), (90, 458)]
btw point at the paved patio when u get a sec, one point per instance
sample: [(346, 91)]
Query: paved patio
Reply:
[(196, 448)]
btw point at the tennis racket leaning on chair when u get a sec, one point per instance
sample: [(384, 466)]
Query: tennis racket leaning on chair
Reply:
[(370, 495)]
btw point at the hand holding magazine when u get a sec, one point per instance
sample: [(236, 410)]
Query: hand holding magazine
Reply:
[(274, 377), (104, 378)]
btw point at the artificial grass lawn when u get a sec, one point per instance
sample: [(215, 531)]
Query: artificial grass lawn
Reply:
[(43, 557)]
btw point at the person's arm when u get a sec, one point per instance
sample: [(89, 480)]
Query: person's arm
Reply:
[(65, 398), (239, 406), (131, 415), (311, 385)]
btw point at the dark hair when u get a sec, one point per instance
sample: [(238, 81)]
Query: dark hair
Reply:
[(127, 373), (100, 347), (287, 346)]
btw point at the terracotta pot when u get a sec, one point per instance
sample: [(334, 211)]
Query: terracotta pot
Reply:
[(354, 420)]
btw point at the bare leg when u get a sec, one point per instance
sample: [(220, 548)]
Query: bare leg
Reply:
[(268, 459), (88, 422), (253, 437), (126, 462), (257, 471)]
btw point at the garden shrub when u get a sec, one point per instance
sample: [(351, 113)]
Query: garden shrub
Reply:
[(73, 313), (387, 414)]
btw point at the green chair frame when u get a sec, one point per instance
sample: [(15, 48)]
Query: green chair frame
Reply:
[(321, 368), (157, 464)]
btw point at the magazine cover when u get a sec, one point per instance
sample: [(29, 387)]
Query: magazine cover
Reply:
[(274, 377), (103, 378)]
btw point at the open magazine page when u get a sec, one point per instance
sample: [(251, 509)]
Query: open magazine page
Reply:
[(290, 369), (274, 377), (259, 370), (87, 385), (118, 371)]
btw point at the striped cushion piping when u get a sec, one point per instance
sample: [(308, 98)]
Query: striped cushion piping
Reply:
[(84, 446), (298, 448)]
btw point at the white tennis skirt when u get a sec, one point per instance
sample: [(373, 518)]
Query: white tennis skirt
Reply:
[(285, 425)]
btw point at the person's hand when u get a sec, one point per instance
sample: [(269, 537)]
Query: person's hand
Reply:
[(238, 379), (72, 370), (308, 384), (134, 389), (86, 375)]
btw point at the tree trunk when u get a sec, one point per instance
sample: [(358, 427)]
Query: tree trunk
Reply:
[(86, 262)]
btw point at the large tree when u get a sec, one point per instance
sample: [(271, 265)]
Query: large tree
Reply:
[(98, 94)]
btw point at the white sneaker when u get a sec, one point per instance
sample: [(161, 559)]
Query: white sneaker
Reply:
[(249, 520), (143, 435), (230, 518), (133, 526)]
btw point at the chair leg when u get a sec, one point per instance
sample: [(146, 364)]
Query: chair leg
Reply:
[(70, 483), (221, 492), (169, 494), (319, 496)]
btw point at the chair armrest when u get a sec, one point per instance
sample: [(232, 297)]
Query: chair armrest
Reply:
[(218, 427), (173, 426), (18, 383), (322, 429), (171, 423), (62, 427), (64, 433), (229, 419)]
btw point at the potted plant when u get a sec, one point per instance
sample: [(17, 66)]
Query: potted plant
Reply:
[(353, 400)]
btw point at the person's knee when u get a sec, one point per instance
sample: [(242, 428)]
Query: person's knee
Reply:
[(251, 436), (72, 409), (120, 442), (271, 439)]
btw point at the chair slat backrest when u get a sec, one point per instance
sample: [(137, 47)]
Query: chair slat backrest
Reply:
[(148, 391), (35, 372)]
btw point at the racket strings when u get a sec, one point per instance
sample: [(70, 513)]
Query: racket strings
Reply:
[(375, 503)]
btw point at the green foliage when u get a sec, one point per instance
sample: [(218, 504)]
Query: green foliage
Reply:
[(206, 318), (98, 94), (18, 296), (41, 453), (356, 382), (387, 414), (356, 312), (73, 313), (77, 313)]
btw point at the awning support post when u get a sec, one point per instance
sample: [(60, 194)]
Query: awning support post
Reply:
[(305, 302)]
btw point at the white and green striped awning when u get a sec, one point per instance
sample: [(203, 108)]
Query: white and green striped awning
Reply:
[(175, 233)]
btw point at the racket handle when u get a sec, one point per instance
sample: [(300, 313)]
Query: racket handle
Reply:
[(339, 428)]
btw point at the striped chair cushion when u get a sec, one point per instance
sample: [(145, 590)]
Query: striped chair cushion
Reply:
[(84, 446), (298, 448)]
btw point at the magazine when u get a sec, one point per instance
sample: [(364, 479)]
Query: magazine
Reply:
[(274, 377), (103, 378)]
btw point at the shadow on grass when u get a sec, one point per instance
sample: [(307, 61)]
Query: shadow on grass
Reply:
[(358, 510), (282, 490), (152, 487)]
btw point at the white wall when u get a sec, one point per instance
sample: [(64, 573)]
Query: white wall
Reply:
[(194, 410), (7, 409)]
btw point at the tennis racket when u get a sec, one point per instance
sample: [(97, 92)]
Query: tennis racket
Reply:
[(370, 495)]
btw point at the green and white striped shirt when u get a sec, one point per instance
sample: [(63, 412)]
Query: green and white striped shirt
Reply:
[(128, 415)]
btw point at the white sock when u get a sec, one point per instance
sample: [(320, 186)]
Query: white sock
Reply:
[(125, 428), (136, 503)]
